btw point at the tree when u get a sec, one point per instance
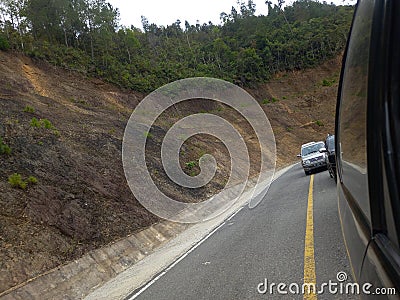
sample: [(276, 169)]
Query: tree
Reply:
[(85, 35)]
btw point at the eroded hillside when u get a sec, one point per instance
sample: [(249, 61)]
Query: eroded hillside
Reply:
[(66, 130)]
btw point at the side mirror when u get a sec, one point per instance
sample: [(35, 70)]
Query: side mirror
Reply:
[(323, 150), (298, 155)]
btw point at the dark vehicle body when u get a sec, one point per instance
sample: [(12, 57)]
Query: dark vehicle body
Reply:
[(330, 155), (368, 146)]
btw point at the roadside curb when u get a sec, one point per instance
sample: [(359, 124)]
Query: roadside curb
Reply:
[(77, 278)]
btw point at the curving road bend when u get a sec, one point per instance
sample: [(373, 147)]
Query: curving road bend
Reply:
[(276, 242)]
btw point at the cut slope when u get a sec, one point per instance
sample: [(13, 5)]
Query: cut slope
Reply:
[(82, 201), (301, 107)]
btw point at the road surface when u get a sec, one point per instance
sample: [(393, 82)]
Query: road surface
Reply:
[(285, 239)]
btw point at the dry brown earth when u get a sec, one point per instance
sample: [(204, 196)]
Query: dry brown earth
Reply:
[(81, 201)]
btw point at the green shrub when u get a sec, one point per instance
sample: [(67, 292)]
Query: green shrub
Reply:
[(191, 164), (319, 123), (327, 82), (32, 180), (35, 123), (4, 149), (29, 109), (4, 44), (265, 101), (15, 180), (272, 100), (46, 124)]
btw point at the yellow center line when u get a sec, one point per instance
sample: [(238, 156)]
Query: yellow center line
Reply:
[(310, 279)]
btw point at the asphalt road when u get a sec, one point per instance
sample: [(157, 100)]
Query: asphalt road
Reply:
[(267, 242)]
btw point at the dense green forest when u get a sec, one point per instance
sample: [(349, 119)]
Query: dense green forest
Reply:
[(85, 35)]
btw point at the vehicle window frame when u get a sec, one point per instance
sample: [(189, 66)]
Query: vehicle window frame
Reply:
[(382, 94), (377, 88), (391, 133), (382, 177)]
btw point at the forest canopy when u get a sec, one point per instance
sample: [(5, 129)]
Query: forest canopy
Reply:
[(86, 36)]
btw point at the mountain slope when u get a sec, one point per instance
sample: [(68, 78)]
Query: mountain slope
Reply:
[(81, 200)]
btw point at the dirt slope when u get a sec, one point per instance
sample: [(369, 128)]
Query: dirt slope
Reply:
[(81, 200), (305, 106)]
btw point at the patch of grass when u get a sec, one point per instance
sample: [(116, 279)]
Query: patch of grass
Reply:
[(272, 100), (265, 101), (319, 123), (32, 180), (35, 123), (148, 135), (191, 164), (29, 109), (15, 180), (4, 149), (327, 82), (289, 128), (284, 98), (44, 123)]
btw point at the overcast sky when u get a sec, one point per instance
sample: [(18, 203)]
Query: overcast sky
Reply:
[(166, 12)]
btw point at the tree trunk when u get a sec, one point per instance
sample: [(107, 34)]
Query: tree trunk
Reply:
[(65, 37), (129, 55)]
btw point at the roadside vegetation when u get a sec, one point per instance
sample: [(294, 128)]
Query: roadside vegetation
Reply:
[(29, 109), (44, 123), (16, 181), (85, 36), (4, 148)]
